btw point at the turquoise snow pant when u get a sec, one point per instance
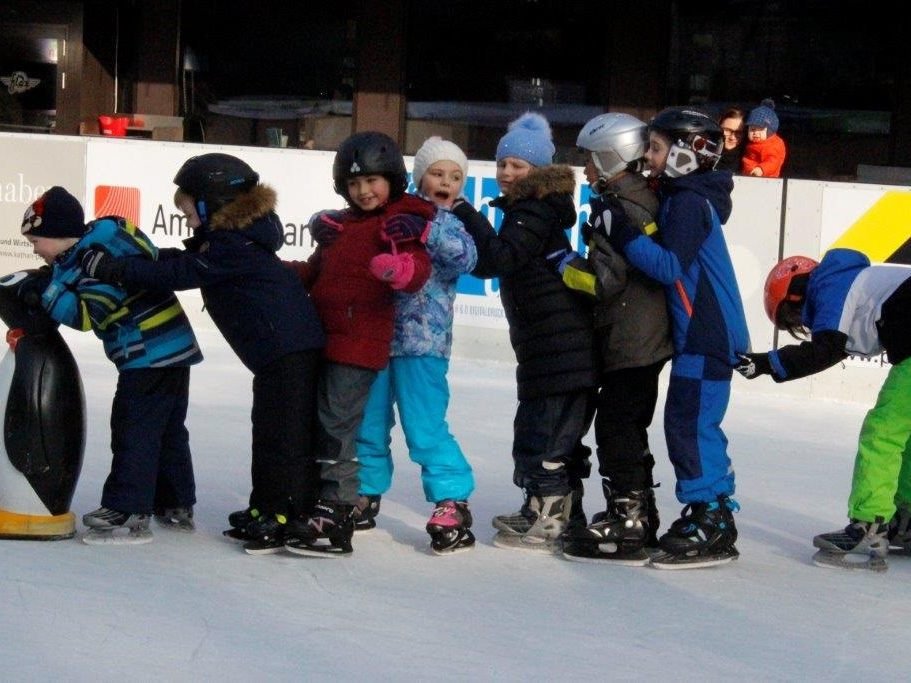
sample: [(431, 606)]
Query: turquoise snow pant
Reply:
[(418, 386), (882, 468)]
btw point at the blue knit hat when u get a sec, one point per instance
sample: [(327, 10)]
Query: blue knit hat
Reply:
[(530, 139), (764, 116)]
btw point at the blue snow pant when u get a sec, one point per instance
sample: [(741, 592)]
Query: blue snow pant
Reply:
[(417, 385), (697, 399), (151, 465)]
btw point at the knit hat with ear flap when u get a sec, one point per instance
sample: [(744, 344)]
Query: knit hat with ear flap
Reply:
[(764, 116), (56, 213), (530, 139), (433, 150)]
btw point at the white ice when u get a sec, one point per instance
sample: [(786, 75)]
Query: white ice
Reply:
[(195, 607)]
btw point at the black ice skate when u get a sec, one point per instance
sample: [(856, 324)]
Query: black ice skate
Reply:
[(704, 536), (449, 527), (325, 532), (178, 518), (618, 535), (105, 527), (239, 521), (860, 545), (267, 535), (366, 510)]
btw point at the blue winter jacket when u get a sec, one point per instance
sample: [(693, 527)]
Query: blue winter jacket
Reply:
[(259, 305), (139, 329), (423, 320), (691, 260)]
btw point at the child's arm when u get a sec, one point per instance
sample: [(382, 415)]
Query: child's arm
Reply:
[(408, 267), (480, 230), (825, 349), (452, 251)]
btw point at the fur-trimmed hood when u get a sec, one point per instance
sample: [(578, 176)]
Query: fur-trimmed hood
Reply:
[(244, 209), (542, 181), (253, 214)]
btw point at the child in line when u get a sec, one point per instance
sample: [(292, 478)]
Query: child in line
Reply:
[(415, 379), (844, 306), (708, 325), (632, 339), (265, 316), (364, 254), (550, 329), (765, 151), (147, 336)]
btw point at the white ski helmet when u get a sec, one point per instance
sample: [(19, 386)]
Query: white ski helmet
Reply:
[(615, 141)]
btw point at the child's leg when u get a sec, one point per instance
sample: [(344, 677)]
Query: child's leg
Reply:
[(284, 426), (625, 407), (697, 400), (881, 473), (546, 432), (374, 437), (138, 420), (176, 486), (422, 395), (342, 395)]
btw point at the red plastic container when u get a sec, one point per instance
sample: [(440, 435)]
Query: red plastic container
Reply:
[(113, 125)]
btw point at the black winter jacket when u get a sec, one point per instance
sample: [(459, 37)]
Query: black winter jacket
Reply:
[(260, 306), (550, 326)]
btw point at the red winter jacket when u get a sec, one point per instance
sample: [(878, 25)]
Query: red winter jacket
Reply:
[(768, 154), (355, 307)]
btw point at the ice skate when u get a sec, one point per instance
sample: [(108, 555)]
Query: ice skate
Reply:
[(325, 532), (449, 527), (537, 526), (178, 518), (900, 531), (704, 536), (860, 545), (366, 510), (266, 535), (617, 536), (106, 527), (239, 521)]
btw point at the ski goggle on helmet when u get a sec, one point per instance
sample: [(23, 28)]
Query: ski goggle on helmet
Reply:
[(787, 281), (696, 140)]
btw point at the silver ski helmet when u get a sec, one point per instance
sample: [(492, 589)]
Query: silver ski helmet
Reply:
[(695, 137), (369, 153), (213, 180), (616, 142)]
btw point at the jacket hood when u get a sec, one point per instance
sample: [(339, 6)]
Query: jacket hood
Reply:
[(244, 209), (253, 214), (542, 181), (716, 186)]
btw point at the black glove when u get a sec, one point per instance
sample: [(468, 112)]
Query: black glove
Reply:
[(97, 263), (405, 227), (753, 364), (325, 226), (609, 219)]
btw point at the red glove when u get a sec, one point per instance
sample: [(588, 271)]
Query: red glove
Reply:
[(396, 269)]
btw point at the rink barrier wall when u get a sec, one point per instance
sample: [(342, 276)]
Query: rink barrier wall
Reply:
[(133, 177)]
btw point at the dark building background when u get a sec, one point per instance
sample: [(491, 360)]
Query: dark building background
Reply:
[(836, 71)]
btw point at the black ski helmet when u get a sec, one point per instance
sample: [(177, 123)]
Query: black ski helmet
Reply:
[(213, 180), (696, 140), (370, 153)]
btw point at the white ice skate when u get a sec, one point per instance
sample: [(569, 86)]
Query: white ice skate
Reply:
[(178, 519), (860, 545)]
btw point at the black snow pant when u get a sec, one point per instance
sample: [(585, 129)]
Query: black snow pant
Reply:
[(151, 465), (547, 449), (625, 407), (283, 469)]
